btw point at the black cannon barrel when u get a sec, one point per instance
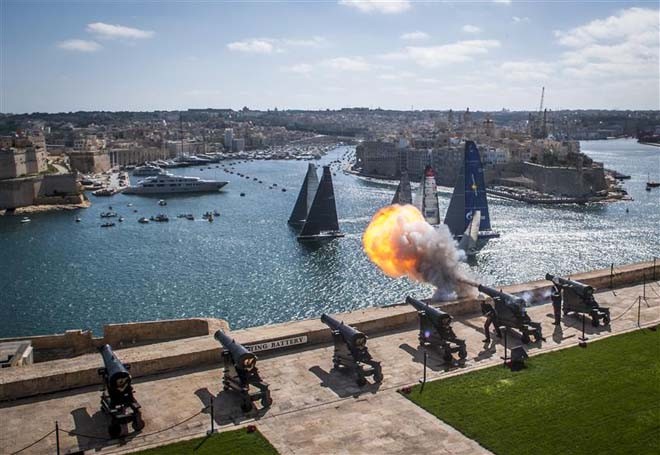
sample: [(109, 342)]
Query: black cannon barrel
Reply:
[(242, 358), (117, 375), (581, 288), (508, 299), (350, 334), (432, 312)]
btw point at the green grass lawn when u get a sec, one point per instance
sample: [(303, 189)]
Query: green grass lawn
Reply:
[(604, 399), (226, 443)]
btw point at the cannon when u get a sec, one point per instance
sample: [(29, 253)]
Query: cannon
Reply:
[(351, 351), (240, 372), (579, 298), (509, 311), (435, 329), (117, 400)]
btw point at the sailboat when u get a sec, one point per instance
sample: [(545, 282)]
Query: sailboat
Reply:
[(427, 197), (469, 197), (468, 242), (321, 222), (305, 197), (403, 194)]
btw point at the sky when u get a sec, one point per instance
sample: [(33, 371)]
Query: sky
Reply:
[(61, 56)]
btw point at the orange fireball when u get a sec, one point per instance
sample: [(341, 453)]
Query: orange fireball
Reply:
[(387, 243)]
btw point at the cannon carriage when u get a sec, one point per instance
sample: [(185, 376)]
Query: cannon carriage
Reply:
[(240, 372), (351, 351), (117, 400), (579, 298), (435, 330), (509, 311)]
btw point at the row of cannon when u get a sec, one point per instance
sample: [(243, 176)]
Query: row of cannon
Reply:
[(351, 354)]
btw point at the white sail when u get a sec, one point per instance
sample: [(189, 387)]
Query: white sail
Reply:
[(468, 242)]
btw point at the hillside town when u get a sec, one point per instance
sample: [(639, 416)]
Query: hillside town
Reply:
[(44, 157)]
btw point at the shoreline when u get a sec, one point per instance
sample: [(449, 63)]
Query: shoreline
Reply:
[(46, 208)]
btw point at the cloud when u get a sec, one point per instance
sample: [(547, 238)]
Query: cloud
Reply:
[(378, 6), (622, 45), (79, 45), (300, 68), (470, 29), (253, 46), (518, 19), (353, 64), (634, 24), (414, 36), (434, 56), (275, 45), (527, 71), (502, 2), (109, 31)]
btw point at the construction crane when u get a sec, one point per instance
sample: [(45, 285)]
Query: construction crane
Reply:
[(542, 96)]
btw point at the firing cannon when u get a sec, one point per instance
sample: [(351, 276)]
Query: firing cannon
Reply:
[(351, 351), (579, 298), (240, 372), (117, 399), (509, 311), (435, 329)]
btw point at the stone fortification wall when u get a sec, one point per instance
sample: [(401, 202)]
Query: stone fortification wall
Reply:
[(565, 181), (204, 350), (40, 189), (77, 342), (92, 162), (19, 192)]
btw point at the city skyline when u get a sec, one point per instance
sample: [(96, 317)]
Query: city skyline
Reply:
[(69, 56)]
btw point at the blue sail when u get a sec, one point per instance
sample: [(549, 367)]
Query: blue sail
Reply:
[(475, 187)]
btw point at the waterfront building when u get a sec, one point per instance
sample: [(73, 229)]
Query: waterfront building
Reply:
[(238, 145), (229, 138)]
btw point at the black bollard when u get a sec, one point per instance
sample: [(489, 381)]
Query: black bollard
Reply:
[(212, 430), (583, 339), (57, 437), (423, 381)]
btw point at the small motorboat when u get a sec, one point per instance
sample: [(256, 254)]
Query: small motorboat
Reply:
[(284, 190), (190, 217), (121, 218), (78, 220), (25, 219), (161, 217), (216, 213), (108, 215), (143, 220), (162, 202), (107, 224), (242, 194)]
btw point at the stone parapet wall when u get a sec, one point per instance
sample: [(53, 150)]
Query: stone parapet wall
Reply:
[(204, 350), (77, 342)]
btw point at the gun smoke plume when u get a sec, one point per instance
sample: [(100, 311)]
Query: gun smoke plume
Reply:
[(402, 243)]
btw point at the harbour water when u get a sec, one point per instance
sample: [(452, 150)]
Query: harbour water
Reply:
[(247, 267)]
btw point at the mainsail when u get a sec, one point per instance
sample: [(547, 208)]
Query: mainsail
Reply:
[(469, 196), (403, 193), (322, 220), (305, 197), (429, 197)]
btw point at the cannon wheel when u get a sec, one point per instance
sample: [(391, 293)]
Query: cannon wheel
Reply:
[(114, 430), (266, 402), (606, 320), (138, 423), (361, 381), (525, 338), (378, 377), (462, 354), (447, 357), (594, 321)]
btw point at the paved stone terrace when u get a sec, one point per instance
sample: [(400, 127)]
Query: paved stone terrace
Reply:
[(315, 410)]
